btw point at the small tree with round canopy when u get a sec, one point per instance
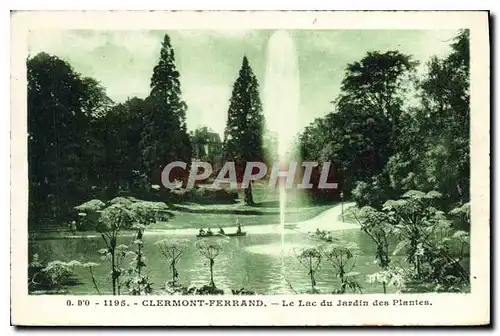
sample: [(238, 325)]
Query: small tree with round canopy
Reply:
[(211, 249), (172, 250)]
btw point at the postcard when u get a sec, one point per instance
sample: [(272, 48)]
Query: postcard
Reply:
[(278, 168)]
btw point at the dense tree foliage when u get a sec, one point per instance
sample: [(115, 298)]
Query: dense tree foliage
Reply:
[(82, 146), (398, 141), (407, 165), (391, 131), (117, 156), (61, 108), (361, 133), (386, 146)]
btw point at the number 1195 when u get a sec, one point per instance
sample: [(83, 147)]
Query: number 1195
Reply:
[(114, 303)]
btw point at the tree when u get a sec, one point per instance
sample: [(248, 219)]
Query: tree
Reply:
[(342, 261), (426, 236), (339, 255), (433, 151), (210, 249), (434, 250), (120, 214), (143, 214), (310, 258), (388, 148), (245, 123), (362, 133), (369, 111), (172, 250), (165, 138), (61, 107), (113, 219), (375, 224), (444, 120), (119, 160)]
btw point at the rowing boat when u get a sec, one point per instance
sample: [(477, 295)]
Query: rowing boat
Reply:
[(241, 234)]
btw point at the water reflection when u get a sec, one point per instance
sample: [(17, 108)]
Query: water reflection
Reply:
[(256, 262), (277, 250)]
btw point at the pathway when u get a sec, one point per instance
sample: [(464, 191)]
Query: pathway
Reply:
[(328, 220)]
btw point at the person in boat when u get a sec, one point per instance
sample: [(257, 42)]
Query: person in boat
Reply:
[(221, 231), (209, 232), (238, 230), (72, 227), (201, 232)]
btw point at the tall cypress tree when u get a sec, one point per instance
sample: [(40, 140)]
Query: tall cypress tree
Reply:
[(245, 123), (165, 137)]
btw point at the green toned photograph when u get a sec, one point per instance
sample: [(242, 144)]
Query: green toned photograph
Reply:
[(364, 134)]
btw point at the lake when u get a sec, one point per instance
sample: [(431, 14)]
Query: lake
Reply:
[(257, 262)]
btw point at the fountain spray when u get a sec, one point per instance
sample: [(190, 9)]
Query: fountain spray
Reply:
[(281, 104)]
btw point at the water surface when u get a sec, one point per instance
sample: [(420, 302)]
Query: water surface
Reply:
[(258, 262)]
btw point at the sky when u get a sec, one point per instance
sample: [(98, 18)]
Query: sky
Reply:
[(209, 61)]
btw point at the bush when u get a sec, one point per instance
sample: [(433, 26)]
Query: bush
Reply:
[(242, 291), (54, 276), (88, 214), (174, 289), (87, 220), (179, 195), (370, 193), (203, 195)]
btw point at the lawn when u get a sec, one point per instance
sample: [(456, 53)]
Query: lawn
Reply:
[(265, 211)]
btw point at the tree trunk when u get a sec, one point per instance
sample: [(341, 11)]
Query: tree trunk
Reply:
[(460, 194), (212, 283), (113, 273), (311, 273), (248, 195), (174, 271), (139, 259)]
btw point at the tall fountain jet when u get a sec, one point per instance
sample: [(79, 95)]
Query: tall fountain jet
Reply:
[(281, 105), (281, 90)]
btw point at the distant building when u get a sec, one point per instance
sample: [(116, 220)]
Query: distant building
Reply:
[(207, 145)]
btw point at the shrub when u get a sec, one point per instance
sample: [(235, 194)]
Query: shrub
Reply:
[(176, 289), (242, 291), (88, 214), (55, 275), (203, 195)]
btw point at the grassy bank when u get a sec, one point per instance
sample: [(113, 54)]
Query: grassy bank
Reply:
[(266, 210), (298, 207)]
